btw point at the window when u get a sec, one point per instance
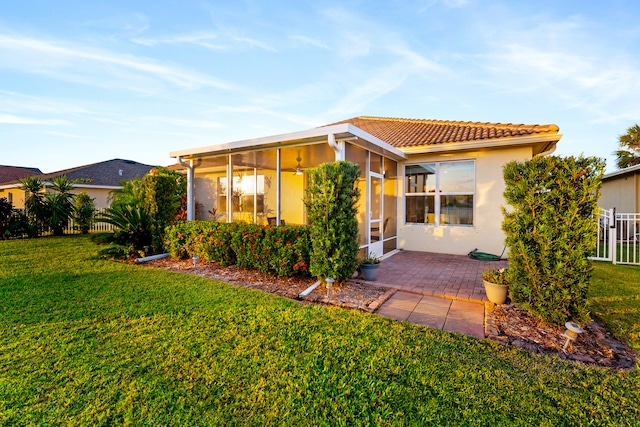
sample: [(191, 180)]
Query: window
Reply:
[(244, 192), (440, 193)]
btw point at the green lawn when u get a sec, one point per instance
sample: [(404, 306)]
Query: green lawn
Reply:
[(614, 297), (90, 342)]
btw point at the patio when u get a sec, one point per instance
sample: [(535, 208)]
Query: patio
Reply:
[(456, 277)]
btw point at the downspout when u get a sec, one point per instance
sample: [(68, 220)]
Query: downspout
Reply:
[(338, 147), (190, 183)]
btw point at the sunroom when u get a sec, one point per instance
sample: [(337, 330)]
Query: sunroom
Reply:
[(262, 181)]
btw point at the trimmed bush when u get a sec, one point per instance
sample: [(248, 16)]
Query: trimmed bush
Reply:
[(277, 250), (331, 200), (550, 232)]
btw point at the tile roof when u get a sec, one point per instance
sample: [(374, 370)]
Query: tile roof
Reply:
[(413, 132)]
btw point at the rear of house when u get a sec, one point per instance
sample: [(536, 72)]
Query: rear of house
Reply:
[(426, 185)]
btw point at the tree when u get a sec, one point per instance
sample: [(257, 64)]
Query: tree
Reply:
[(143, 208), (164, 194), (331, 200), (34, 204), (550, 232), (84, 212), (629, 152), (59, 205)]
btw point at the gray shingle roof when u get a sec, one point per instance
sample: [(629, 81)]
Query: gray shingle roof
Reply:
[(108, 173)]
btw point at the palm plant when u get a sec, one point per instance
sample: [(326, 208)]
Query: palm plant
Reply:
[(34, 204), (131, 223), (629, 152), (59, 205)]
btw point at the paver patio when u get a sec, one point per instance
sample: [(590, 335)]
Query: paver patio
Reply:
[(436, 290), (425, 273)]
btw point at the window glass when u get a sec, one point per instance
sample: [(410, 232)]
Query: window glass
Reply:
[(440, 193), (457, 177), (420, 178), (457, 209)]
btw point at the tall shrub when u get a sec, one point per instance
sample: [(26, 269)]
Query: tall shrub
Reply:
[(6, 211), (164, 191), (84, 212), (550, 231), (331, 199)]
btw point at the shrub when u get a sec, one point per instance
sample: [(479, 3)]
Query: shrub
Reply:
[(164, 191), (132, 225), (281, 251), (550, 232), (84, 212), (331, 198), (6, 211)]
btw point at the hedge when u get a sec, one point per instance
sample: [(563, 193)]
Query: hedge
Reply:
[(277, 250)]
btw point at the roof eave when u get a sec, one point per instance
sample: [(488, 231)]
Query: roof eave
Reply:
[(546, 141), (343, 131), (622, 172)]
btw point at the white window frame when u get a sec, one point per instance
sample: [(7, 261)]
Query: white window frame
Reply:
[(437, 194)]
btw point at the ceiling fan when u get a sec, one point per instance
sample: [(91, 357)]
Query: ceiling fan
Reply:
[(299, 169)]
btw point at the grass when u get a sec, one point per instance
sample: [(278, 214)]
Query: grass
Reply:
[(91, 342), (614, 298)]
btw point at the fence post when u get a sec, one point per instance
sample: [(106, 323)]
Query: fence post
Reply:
[(612, 235)]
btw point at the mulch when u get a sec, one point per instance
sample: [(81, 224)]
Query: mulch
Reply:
[(504, 323)]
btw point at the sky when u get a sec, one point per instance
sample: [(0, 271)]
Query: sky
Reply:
[(88, 81)]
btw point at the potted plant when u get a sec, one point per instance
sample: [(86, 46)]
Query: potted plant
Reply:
[(495, 284), (369, 267)]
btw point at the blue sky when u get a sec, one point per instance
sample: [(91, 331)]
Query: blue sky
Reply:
[(87, 81)]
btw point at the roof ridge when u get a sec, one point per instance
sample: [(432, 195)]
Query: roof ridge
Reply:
[(534, 127)]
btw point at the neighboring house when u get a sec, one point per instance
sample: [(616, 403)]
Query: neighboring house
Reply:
[(621, 190), (426, 185), (97, 179), (10, 174)]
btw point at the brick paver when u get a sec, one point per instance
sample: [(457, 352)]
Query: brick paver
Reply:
[(436, 290)]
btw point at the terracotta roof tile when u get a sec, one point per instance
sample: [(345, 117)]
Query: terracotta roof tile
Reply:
[(413, 132)]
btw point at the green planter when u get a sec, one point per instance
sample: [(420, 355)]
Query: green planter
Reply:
[(497, 294), (369, 271)]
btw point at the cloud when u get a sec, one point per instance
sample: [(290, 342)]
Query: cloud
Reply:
[(24, 52), (66, 135), (309, 41), (190, 123), (203, 39), (15, 102), (17, 120)]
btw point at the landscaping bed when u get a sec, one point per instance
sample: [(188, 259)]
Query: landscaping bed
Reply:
[(354, 293)]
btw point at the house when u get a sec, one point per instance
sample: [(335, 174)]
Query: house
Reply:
[(426, 185), (97, 179), (10, 174), (621, 190)]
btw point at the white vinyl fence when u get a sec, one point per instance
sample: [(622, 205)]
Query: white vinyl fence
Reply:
[(618, 237), (96, 227)]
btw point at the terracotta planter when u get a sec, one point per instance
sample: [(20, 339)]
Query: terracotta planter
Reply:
[(369, 271), (497, 294)]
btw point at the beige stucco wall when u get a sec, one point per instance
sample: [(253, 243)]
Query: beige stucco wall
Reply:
[(100, 195), (622, 193), (486, 234)]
